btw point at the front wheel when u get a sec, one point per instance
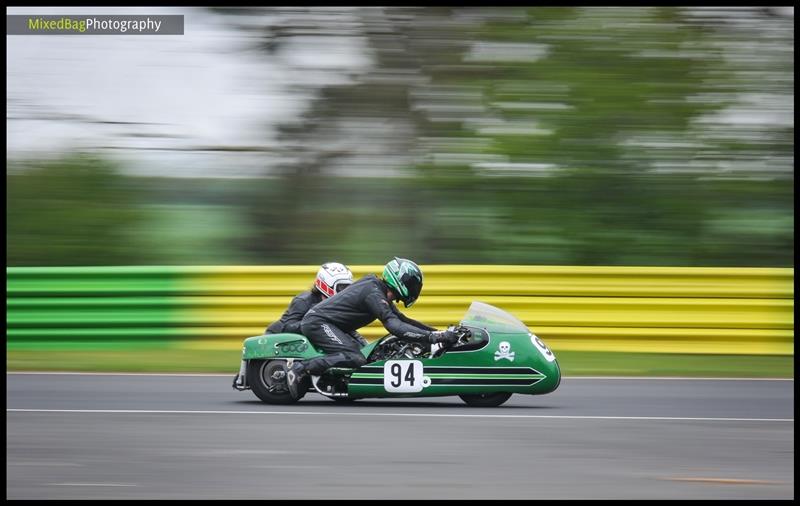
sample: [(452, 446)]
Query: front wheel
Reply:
[(259, 377), (485, 400)]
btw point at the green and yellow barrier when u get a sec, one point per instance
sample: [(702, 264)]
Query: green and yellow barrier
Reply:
[(625, 309)]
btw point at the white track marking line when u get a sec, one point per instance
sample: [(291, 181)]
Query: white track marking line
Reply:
[(212, 375), (70, 464), (91, 485), (431, 415)]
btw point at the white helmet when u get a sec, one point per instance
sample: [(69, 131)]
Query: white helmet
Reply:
[(332, 278)]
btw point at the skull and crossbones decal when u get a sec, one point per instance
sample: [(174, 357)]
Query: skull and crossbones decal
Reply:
[(504, 351)]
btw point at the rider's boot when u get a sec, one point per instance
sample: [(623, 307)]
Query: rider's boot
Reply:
[(294, 376)]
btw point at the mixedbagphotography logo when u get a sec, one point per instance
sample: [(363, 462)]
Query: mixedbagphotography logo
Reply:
[(95, 25)]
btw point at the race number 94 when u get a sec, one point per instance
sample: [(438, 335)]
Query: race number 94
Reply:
[(402, 376)]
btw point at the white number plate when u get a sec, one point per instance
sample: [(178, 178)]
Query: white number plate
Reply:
[(403, 376)]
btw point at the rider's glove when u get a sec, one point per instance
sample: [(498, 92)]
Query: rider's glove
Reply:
[(443, 336)]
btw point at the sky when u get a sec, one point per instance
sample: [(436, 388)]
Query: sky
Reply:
[(154, 100)]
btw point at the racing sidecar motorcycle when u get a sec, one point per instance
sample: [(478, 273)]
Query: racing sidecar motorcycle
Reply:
[(495, 356)]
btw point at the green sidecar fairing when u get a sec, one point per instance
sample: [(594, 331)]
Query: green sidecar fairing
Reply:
[(501, 357)]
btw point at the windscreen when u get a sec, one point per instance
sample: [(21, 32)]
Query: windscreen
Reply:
[(492, 318)]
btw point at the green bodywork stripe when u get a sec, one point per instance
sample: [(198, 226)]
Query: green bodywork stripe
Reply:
[(461, 376)]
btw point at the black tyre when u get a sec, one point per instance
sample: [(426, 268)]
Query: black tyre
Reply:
[(259, 377), (485, 400)]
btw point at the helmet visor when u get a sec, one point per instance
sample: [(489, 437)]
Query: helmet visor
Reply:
[(414, 286), (342, 285)]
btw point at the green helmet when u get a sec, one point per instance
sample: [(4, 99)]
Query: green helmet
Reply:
[(405, 278)]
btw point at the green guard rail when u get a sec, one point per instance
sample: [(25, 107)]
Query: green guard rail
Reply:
[(626, 309)]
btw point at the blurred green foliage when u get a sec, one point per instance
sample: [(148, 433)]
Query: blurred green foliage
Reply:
[(73, 211), (80, 212)]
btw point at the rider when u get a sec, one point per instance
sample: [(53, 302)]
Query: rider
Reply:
[(332, 278), (329, 323)]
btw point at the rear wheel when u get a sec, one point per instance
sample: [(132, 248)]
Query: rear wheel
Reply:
[(485, 400), (269, 390)]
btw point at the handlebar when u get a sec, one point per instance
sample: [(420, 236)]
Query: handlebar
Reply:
[(463, 332), (463, 336)]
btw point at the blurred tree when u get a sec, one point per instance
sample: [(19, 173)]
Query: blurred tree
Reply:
[(362, 127), (541, 135), (604, 106)]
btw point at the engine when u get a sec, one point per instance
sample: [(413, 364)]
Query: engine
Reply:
[(393, 348)]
